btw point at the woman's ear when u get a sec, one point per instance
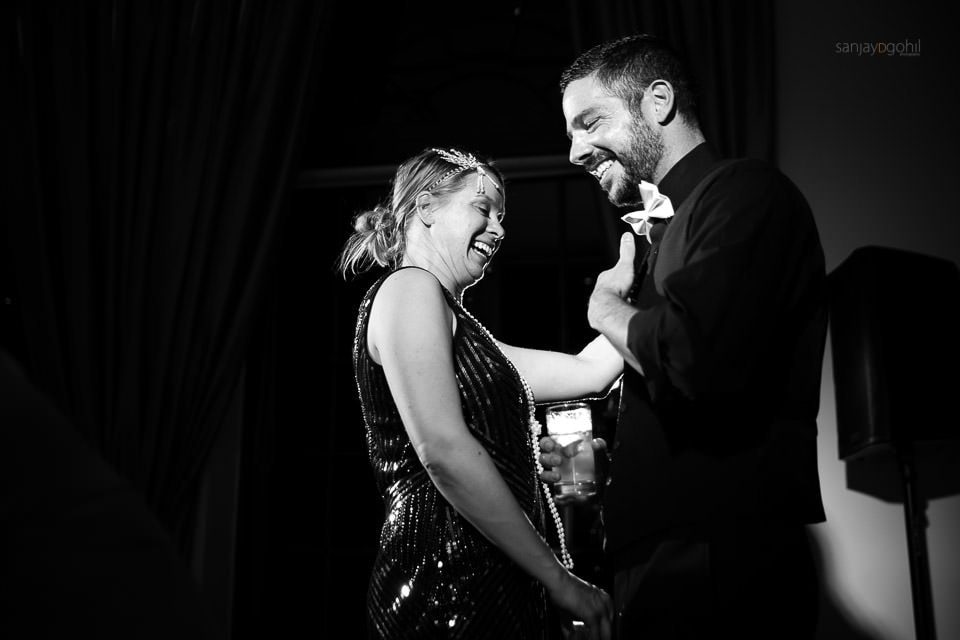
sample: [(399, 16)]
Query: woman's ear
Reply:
[(426, 205)]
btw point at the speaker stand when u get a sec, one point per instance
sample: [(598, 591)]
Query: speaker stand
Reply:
[(916, 521)]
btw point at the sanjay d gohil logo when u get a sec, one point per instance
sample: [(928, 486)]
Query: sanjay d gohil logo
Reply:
[(902, 48)]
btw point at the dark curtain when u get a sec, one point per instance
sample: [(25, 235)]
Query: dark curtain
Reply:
[(729, 47), (154, 147), (82, 555)]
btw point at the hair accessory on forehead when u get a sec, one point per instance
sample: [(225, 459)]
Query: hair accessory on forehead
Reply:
[(463, 161)]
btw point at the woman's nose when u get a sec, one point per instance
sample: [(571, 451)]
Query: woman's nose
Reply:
[(496, 228)]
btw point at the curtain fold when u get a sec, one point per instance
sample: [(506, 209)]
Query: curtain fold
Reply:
[(155, 147)]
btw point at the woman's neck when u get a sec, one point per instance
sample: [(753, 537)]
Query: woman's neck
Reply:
[(439, 271)]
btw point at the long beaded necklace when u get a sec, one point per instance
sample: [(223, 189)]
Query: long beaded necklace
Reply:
[(534, 425)]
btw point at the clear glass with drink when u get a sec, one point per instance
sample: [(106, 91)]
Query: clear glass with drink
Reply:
[(571, 425)]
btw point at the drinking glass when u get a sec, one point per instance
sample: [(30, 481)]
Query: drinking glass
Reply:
[(571, 425)]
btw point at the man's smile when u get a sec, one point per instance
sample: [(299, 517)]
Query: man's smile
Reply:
[(598, 171)]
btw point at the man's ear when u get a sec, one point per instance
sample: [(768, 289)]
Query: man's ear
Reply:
[(426, 205), (664, 101)]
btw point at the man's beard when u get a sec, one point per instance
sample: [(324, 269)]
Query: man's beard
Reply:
[(639, 163)]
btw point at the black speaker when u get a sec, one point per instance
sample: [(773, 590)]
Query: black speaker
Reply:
[(894, 323)]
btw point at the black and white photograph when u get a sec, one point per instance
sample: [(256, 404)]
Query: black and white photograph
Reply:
[(533, 320)]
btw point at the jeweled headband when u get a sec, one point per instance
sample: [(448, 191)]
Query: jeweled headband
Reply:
[(463, 162)]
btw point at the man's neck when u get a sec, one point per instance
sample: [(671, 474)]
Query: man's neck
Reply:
[(677, 144)]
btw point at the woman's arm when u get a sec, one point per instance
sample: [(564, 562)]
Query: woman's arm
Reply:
[(562, 376)]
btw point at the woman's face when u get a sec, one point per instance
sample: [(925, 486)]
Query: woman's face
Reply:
[(468, 229)]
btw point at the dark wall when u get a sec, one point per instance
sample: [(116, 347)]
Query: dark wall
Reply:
[(409, 74)]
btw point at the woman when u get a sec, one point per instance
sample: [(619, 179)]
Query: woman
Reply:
[(450, 421)]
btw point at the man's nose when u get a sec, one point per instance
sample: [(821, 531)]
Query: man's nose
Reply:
[(580, 151)]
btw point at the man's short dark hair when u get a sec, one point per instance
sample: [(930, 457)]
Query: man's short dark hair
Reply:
[(627, 66)]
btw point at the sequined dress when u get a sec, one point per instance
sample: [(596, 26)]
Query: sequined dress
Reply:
[(435, 575)]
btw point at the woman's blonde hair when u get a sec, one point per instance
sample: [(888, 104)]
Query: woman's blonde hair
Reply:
[(379, 234)]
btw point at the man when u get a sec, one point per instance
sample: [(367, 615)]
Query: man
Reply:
[(721, 324)]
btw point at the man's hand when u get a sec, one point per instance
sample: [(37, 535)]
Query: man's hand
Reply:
[(609, 312), (552, 454), (613, 285), (619, 278)]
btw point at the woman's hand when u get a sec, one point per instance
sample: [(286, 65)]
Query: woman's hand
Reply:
[(583, 603)]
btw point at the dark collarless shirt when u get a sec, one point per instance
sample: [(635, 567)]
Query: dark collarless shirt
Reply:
[(730, 333)]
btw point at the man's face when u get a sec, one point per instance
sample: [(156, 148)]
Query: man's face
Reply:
[(613, 145)]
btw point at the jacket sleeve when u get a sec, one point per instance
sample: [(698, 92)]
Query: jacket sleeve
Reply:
[(728, 278)]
